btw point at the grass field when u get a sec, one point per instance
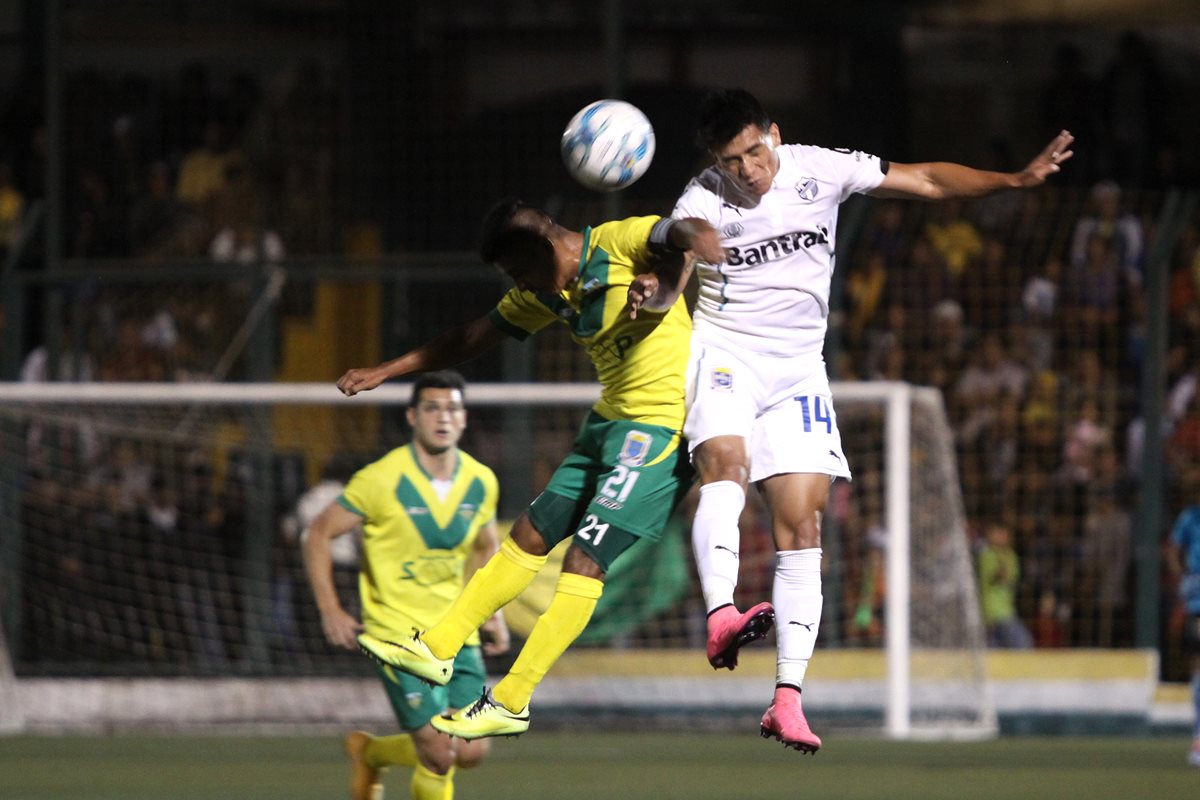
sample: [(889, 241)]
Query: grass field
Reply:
[(609, 767)]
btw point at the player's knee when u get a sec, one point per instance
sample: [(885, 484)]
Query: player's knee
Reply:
[(471, 754), (438, 756), (436, 751), (798, 531), (722, 459), (526, 537), (577, 561)]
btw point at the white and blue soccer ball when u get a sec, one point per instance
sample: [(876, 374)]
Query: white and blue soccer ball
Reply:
[(608, 145)]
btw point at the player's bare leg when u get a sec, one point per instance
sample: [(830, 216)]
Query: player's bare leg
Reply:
[(716, 543), (796, 502)]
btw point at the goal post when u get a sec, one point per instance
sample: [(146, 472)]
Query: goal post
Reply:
[(153, 533)]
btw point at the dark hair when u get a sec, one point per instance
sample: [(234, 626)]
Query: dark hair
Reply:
[(502, 235), (724, 113), (442, 379)]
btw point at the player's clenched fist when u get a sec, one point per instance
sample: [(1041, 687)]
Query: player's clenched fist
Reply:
[(360, 380)]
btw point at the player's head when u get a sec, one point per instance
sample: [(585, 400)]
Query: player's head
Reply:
[(436, 411), (741, 138), (517, 238)]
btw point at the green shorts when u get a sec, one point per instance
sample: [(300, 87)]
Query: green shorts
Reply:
[(415, 702), (620, 483)]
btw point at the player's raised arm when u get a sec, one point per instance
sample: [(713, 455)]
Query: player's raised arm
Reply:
[(680, 242), (450, 348), (942, 180)]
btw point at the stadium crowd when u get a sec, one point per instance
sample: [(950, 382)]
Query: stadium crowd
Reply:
[(1028, 311)]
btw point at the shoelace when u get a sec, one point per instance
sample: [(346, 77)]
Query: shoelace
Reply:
[(480, 706)]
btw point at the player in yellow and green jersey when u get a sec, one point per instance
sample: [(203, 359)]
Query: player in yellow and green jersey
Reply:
[(428, 517), (626, 470)]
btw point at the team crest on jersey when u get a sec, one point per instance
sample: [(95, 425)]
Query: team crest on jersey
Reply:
[(732, 230), (414, 699), (635, 448), (722, 379), (807, 189), (466, 510)]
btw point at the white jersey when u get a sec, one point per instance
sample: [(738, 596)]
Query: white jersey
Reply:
[(771, 296)]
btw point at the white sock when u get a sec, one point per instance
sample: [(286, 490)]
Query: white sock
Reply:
[(716, 541), (798, 601)]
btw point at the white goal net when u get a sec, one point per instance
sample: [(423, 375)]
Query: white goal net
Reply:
[(150, 573)]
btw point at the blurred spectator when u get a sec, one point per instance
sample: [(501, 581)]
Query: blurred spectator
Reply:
[(127, 166), (954, 237), (1183, 445), (1039, 304), (1049, 622), (202, 174), (991, 294), (1122, 230), (246, 242), (1091, 298), (129, 358), (1183, 568), (158, 218), (887, 234), (999, 575), (1106, 554), (100, 231), (946, 348), (1084, 434), (1088, 379), (12, 210), (990, 376), (865, 289)]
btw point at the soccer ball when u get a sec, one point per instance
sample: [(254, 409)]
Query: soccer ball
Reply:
[(608, 145)]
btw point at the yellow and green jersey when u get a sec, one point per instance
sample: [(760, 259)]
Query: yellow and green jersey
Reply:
[(641, 363), (416, 540)]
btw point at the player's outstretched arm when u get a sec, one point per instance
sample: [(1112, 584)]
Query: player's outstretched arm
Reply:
[(450, 348), (340, 628), (683, 241), (942, 180)]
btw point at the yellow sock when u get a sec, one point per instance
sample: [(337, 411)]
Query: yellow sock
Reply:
[(391, 751), (428, 785), (574, 601), (502, 578)]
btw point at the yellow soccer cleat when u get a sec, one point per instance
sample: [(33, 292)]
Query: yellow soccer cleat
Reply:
[(484, 718), (364, 780), (409, 655)]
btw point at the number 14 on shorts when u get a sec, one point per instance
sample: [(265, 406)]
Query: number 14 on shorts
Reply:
[(815, 409)]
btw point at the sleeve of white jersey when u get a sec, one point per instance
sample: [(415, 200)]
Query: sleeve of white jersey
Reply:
[(697, 201), (854, 171)]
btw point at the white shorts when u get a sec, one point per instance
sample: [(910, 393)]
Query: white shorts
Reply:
[(782, 407)]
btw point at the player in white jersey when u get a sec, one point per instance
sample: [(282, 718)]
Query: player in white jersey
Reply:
[(759, 405)]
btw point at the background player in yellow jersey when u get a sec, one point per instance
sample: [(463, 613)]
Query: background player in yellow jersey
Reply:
[(626, 470), (427, 512)]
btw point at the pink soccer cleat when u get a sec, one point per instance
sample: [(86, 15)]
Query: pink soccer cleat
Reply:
[(729, 631), (784, 720)]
